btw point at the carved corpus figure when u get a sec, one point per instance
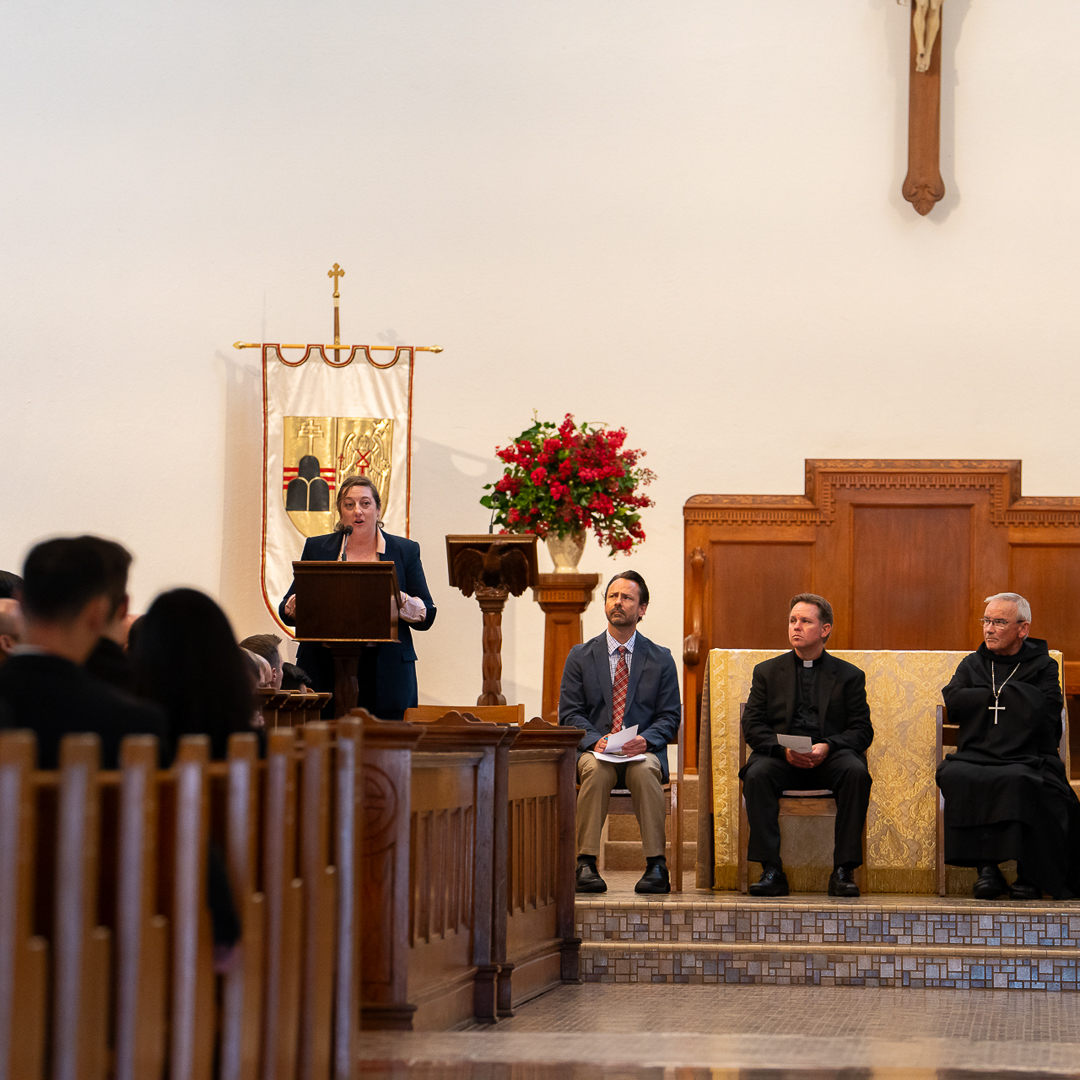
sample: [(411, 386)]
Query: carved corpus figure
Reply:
[(926, 21)]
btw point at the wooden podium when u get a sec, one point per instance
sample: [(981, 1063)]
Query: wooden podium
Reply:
[(346, 606)]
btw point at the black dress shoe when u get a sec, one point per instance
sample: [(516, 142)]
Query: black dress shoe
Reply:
[(654, 880), (990, 883), (588, 880), (842, 883), (1023, 890), (773, 882)]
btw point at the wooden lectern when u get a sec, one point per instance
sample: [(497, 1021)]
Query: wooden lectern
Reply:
[(346, 606)]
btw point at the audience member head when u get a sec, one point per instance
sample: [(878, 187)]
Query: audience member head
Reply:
[(187, 660), (118, 560), (69, 593), (12, 628), (1006, 623), (10, 585), (347, 485), (134, 626), (266, 646), (295, 678), (261, 671)]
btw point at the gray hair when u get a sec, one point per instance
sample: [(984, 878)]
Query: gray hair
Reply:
[(1023, 608)]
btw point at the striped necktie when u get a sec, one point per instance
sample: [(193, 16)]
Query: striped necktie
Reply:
[(618, 691)]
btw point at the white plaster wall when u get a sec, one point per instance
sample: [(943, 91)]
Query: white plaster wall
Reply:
[(681, 216)]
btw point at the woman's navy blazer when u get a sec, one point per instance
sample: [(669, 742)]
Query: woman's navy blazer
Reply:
[(396, 662)]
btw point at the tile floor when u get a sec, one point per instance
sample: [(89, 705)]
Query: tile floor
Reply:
[(664, 1031)]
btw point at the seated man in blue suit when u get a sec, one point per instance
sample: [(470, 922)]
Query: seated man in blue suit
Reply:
[(617, 680)]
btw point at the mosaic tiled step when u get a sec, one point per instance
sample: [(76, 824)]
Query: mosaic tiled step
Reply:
[(808, 940)]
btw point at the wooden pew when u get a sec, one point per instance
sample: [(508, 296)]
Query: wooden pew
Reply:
[(428, 873), (91, 858), (534, 942)]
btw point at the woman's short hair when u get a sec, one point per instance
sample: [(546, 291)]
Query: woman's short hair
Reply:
[(351, 482)]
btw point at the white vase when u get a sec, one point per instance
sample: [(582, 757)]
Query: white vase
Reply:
[(566, 553)]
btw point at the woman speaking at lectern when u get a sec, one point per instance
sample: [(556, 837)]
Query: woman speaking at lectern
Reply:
[(387, 672)]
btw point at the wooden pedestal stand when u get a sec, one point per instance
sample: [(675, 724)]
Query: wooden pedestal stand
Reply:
[(492, 566), (562, 598)]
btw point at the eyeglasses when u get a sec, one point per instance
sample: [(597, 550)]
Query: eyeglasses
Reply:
[(998, 624)]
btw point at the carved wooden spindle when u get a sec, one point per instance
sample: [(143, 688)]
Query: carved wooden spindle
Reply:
[(492, 601)]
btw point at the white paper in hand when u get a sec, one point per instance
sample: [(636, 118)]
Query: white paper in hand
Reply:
[(615, 742), (801, 744)]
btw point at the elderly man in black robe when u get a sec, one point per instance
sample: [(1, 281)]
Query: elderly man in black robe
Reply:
[(1007, 793)]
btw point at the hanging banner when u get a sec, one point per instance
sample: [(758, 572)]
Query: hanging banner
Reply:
[(325, 420)]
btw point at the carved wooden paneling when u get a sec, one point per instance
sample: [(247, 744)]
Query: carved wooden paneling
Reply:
[(538, 949), (905, 551)]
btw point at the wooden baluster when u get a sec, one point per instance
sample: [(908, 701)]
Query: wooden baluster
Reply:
[(23, 956), (317, 977), (244, 986), (81, 968), (141, 933), (348, 809), (192, 1018), (284, 895)]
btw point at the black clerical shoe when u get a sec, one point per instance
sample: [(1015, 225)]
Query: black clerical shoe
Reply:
[(1024, 890), (655, 879), (588, 880), (842, 883), (990, 883), (773, 882)]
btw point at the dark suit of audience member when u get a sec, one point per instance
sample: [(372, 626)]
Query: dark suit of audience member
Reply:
[(72, 588), (111, 663), (54, 697)]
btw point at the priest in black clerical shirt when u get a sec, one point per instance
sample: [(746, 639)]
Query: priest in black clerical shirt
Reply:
[(807, 692), (1007, 794)]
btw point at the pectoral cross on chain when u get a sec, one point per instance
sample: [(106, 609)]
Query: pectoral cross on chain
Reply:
[(995, 709)]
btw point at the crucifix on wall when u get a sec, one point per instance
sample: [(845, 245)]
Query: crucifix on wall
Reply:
[(923, 186)]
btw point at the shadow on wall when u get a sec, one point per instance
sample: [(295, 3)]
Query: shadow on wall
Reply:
[(240, 587)]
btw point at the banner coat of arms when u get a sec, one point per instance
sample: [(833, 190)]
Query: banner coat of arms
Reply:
[(322, 422)]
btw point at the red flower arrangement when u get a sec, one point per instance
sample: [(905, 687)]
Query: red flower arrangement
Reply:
[(568, 479)]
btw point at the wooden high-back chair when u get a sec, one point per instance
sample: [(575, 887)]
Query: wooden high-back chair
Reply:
[(818, 802), (621, 802)]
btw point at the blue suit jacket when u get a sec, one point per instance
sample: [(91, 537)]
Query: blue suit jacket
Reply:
[(395, 676), (652, 695)]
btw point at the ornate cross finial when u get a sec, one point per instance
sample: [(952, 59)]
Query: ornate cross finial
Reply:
[(336, 273)]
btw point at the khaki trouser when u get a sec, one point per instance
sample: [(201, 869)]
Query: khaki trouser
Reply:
[(597, 778)]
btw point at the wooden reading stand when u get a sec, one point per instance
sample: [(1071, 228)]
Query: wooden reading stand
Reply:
[(345, 606)]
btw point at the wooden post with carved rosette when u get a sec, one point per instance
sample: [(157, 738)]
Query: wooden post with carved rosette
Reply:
[(562, 598)]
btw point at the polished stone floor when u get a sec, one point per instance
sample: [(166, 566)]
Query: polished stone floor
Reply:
[(750, 1033)]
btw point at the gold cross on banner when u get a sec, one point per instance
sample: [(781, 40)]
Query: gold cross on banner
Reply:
[(336, 273), (923, 186)]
